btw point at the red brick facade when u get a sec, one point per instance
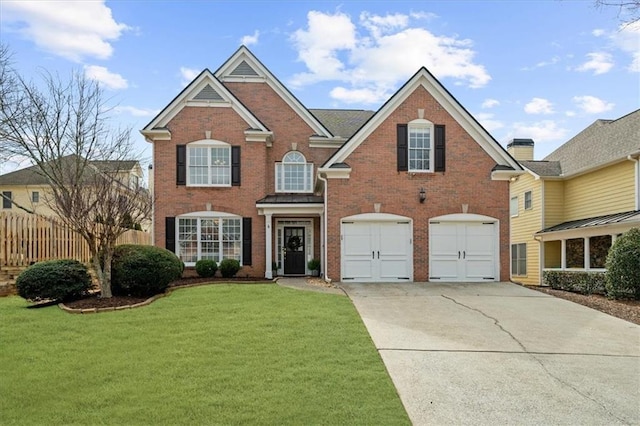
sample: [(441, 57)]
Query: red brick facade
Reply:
[(373, 179)]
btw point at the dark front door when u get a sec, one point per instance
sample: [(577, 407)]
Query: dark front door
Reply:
[(294, 251)]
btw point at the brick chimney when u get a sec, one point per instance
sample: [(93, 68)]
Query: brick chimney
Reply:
[(521, 149)]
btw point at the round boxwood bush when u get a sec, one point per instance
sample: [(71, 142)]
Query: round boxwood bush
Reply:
[(60, 280), (623, 266), (206, 267), (229, 267), (143, 271)]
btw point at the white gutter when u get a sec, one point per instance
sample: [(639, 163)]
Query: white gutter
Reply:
[(637, 182), (324, 236)]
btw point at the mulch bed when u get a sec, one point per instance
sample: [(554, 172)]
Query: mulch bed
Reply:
[(628, 310), (95, 301)]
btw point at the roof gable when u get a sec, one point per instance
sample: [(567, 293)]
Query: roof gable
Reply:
[(204, 91), (603, 142), (244, 67), (423, 78)]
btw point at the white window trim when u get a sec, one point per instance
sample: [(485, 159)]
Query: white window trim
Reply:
[(279, 169), (421, 123), (517, 206), (530, 198), (206, 215), (207, 143)]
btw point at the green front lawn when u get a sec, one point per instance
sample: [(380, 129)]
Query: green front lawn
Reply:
[(220, 354)]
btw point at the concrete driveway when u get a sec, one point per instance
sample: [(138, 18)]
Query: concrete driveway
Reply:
[(498, 353)]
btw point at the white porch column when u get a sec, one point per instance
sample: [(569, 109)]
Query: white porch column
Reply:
[(563, 254), (614, 237), (268, 272), (587, 254), (322, 239)]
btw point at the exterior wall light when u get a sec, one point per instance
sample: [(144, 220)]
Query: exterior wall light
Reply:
[(423, 195)]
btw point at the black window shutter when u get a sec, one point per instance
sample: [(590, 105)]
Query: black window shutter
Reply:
[(170, 233), (402, 148), (181, 165), (246, 241), (440, 148), (235, 165)]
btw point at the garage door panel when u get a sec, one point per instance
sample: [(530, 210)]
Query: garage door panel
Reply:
[(377, 251), (462, 251)]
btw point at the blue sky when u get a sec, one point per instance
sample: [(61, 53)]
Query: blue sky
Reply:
[(527, 69)]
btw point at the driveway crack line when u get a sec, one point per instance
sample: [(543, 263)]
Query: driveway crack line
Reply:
[(553, 376)]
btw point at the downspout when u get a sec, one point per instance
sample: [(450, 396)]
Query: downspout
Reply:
[(324, 236), (637, 182)]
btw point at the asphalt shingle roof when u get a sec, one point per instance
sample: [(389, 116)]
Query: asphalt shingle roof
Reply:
[(32, 176), (342, 122), (543, 168), (602, 142)]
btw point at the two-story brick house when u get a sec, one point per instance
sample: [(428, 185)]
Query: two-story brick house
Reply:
[(417, 190)]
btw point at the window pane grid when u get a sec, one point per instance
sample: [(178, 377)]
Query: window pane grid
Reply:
[(209, 238), (419, 149), (209, 165), (294, 177)]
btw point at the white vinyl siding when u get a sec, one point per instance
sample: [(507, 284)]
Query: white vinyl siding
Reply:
[(209, 165), (209, 238), (294, 174)]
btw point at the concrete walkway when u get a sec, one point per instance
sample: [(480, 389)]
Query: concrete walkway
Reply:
[(498, 353)]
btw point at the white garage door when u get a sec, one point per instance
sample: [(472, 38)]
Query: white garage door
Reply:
[(463, 251), (376, 251)]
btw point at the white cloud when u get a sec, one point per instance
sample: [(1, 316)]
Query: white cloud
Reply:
[(592, 105), (188, 74), (105, 77), (73, 30), (627, 38), (570, 113), (136, 112), (248, 40), (356, 96), (542, 131), (379, 53), (542, 64), (599, 63), (488, 121), (539, 106), (490, 103), (598, 32)]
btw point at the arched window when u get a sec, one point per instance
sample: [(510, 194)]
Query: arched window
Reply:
[(294, 174)]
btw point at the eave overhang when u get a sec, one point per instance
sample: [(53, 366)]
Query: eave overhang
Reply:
[(335, 173), (153, 135)]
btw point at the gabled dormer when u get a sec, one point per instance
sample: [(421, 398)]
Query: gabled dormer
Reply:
[(244, 67), (206, 91)]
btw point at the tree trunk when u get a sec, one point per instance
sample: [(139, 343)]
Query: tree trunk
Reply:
[(104, 275)]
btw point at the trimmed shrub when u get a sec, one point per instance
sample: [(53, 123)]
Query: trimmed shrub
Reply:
[(577, 282), (143, 271), (229, 267), (623, 266), (206, 267), (60, 280)]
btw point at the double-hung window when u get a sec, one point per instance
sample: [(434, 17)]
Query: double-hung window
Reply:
[(294, 174), (513, 206), (519, 259), (214, 238), (209, 163), (420, 146), (528, 200)]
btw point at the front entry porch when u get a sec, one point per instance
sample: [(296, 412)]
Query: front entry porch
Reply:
[(293, 233)]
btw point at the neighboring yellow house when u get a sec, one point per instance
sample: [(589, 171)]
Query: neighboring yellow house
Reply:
[(567, 209), (27, 189)]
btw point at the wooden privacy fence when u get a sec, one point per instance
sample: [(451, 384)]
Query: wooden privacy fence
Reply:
[(25, 239)]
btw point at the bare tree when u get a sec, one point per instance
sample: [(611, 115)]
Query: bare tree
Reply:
[(631, 8), (62, 127)]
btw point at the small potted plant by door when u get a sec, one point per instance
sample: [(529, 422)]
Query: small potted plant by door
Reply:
[(314, 267)]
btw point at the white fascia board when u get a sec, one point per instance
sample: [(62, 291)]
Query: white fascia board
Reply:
[(341, 173), (290, 209), (424, 79), (505, 174), (185, 99), (266, 76), (156, 135), (323, 142)]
